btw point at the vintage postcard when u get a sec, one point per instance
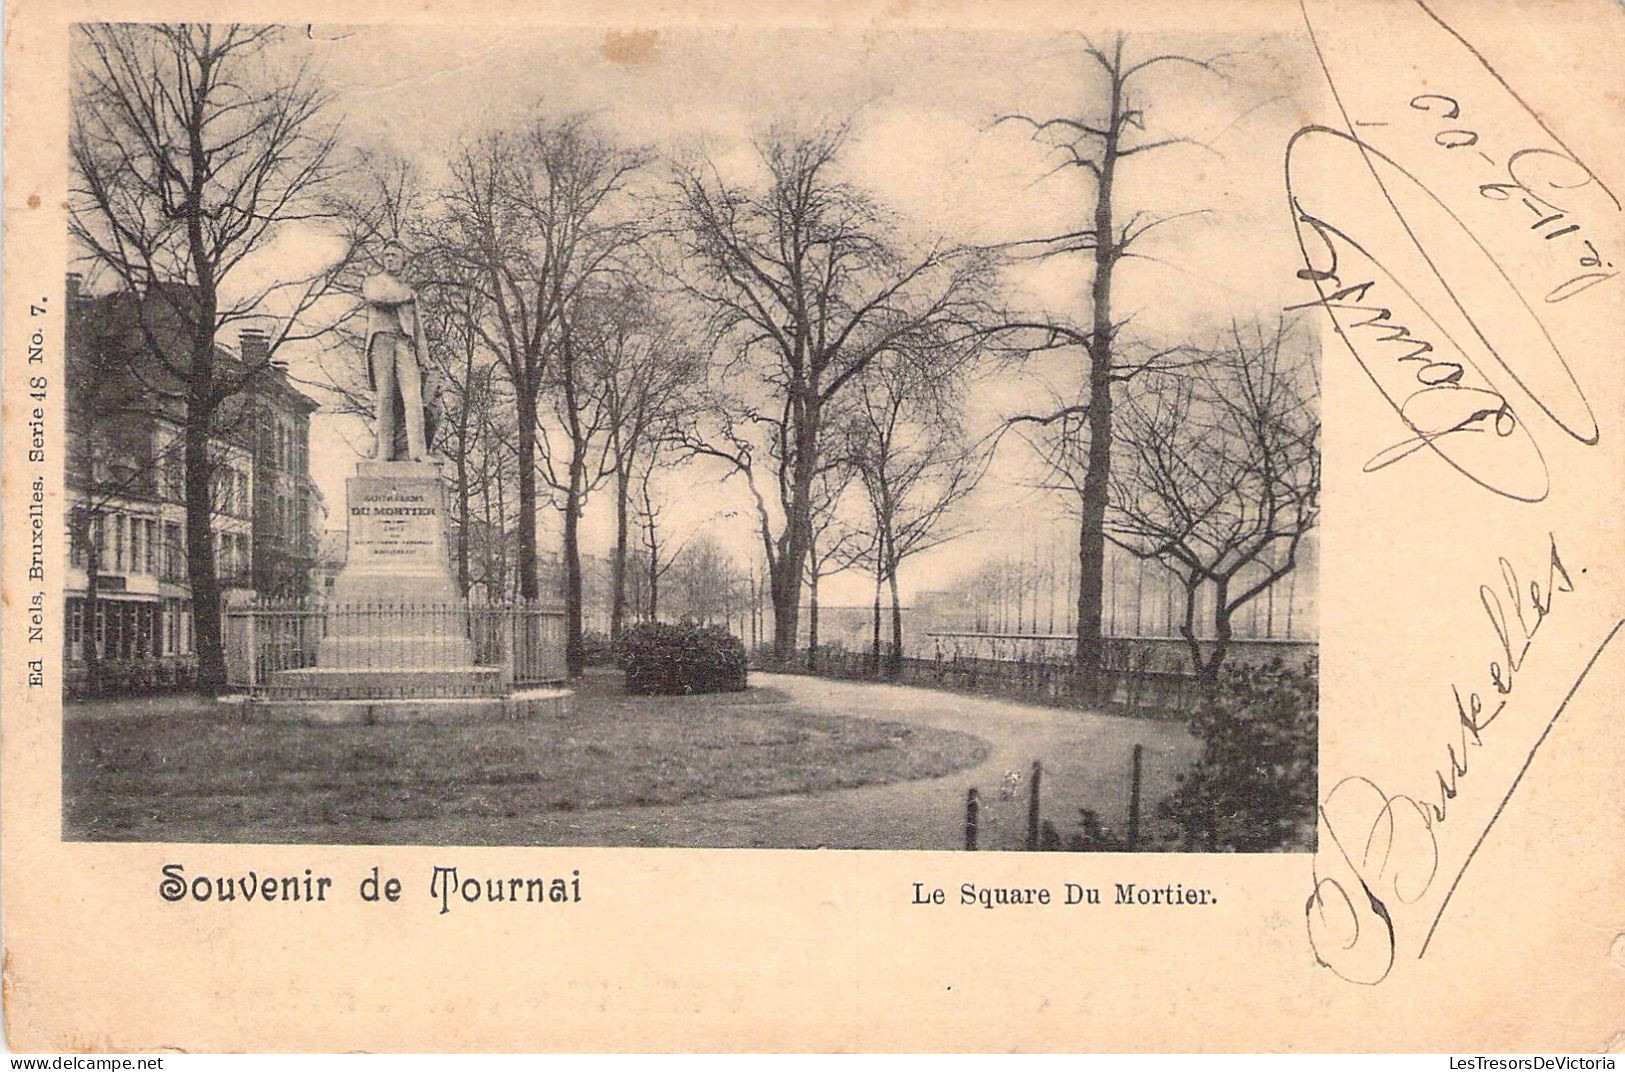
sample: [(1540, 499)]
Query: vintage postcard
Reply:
[(821, 526)]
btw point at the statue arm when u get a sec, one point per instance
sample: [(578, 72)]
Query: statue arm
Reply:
[(385, 289)]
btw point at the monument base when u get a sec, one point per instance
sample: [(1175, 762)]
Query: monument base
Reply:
[(395, 604), (528, 705), (384, 682)]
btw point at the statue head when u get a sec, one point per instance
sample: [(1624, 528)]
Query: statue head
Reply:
[(392, 258)]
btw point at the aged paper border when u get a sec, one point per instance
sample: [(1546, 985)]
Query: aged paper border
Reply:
[(771, 950)]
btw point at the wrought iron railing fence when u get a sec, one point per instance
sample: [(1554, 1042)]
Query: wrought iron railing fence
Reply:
[(266, 638)]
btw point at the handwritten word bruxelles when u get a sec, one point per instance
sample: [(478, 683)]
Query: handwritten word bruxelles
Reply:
[(1378, 877), (447, 886)]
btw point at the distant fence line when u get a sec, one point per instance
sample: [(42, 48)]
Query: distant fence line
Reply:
[(1148, 677), (1058, 648), (1147, 692)]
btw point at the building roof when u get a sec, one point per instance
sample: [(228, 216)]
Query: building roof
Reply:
[(123, 317)]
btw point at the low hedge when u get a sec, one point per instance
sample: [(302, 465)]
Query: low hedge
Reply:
[(661, 659)]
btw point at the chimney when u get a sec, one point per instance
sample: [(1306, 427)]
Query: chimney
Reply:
[(255, 347), (75, 281)]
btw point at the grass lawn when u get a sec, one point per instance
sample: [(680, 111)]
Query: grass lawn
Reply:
[(179, 769)]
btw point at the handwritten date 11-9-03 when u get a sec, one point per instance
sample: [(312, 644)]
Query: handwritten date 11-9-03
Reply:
[(1461, 249)]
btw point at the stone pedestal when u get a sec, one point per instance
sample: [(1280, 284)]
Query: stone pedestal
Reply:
[(395, 604)]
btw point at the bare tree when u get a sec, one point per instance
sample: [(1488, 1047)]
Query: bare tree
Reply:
[(465, 402), (649, 374), (534, 215), (833, 545), (658, 555), (575, 453), (1099, 140), (706, 582), (806, 283), (910, 452), (1219, 476), (193, 147)]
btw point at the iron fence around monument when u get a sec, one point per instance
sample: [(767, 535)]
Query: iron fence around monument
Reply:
[(263, 638)]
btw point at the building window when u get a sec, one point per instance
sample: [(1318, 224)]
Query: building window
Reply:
[(135, 545), (118, 543), (172, 551), (152, 540), (112, 622), (71, 629)]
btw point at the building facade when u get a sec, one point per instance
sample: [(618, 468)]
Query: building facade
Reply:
[(126, 480)]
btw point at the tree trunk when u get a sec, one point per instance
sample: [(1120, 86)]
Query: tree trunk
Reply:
[(211, 653), (785, 584), (812, 623), (1221, 641), (787, 570), (1187, 629), (617, 565), (496, 588), (528, 587), (896, 627), (464, 579), (572, 572), (509, 587), (1090, 652), (874, 651), (91, 647)]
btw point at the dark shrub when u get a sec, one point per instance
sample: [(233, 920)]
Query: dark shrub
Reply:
[(596, 649), (1254, 788), (1090, 837), (663, 659)]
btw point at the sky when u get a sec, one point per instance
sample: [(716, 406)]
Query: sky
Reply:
[(925, 144)]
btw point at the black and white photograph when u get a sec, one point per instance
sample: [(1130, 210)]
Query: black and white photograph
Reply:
[(787, 438), (829, 526)]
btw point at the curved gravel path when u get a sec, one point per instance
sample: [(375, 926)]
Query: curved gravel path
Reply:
[(1086, 760)]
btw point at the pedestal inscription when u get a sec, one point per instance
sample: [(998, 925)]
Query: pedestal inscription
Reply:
[(395, 605), (397, 543)]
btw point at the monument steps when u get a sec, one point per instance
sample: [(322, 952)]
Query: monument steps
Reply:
[(318, 682)]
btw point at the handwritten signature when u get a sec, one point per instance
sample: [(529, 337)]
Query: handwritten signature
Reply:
[(1430, 234)]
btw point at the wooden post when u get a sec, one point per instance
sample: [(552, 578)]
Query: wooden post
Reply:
[(1134, 800), (972, 809), (253, 658), (510, 657), (1032, 805)]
